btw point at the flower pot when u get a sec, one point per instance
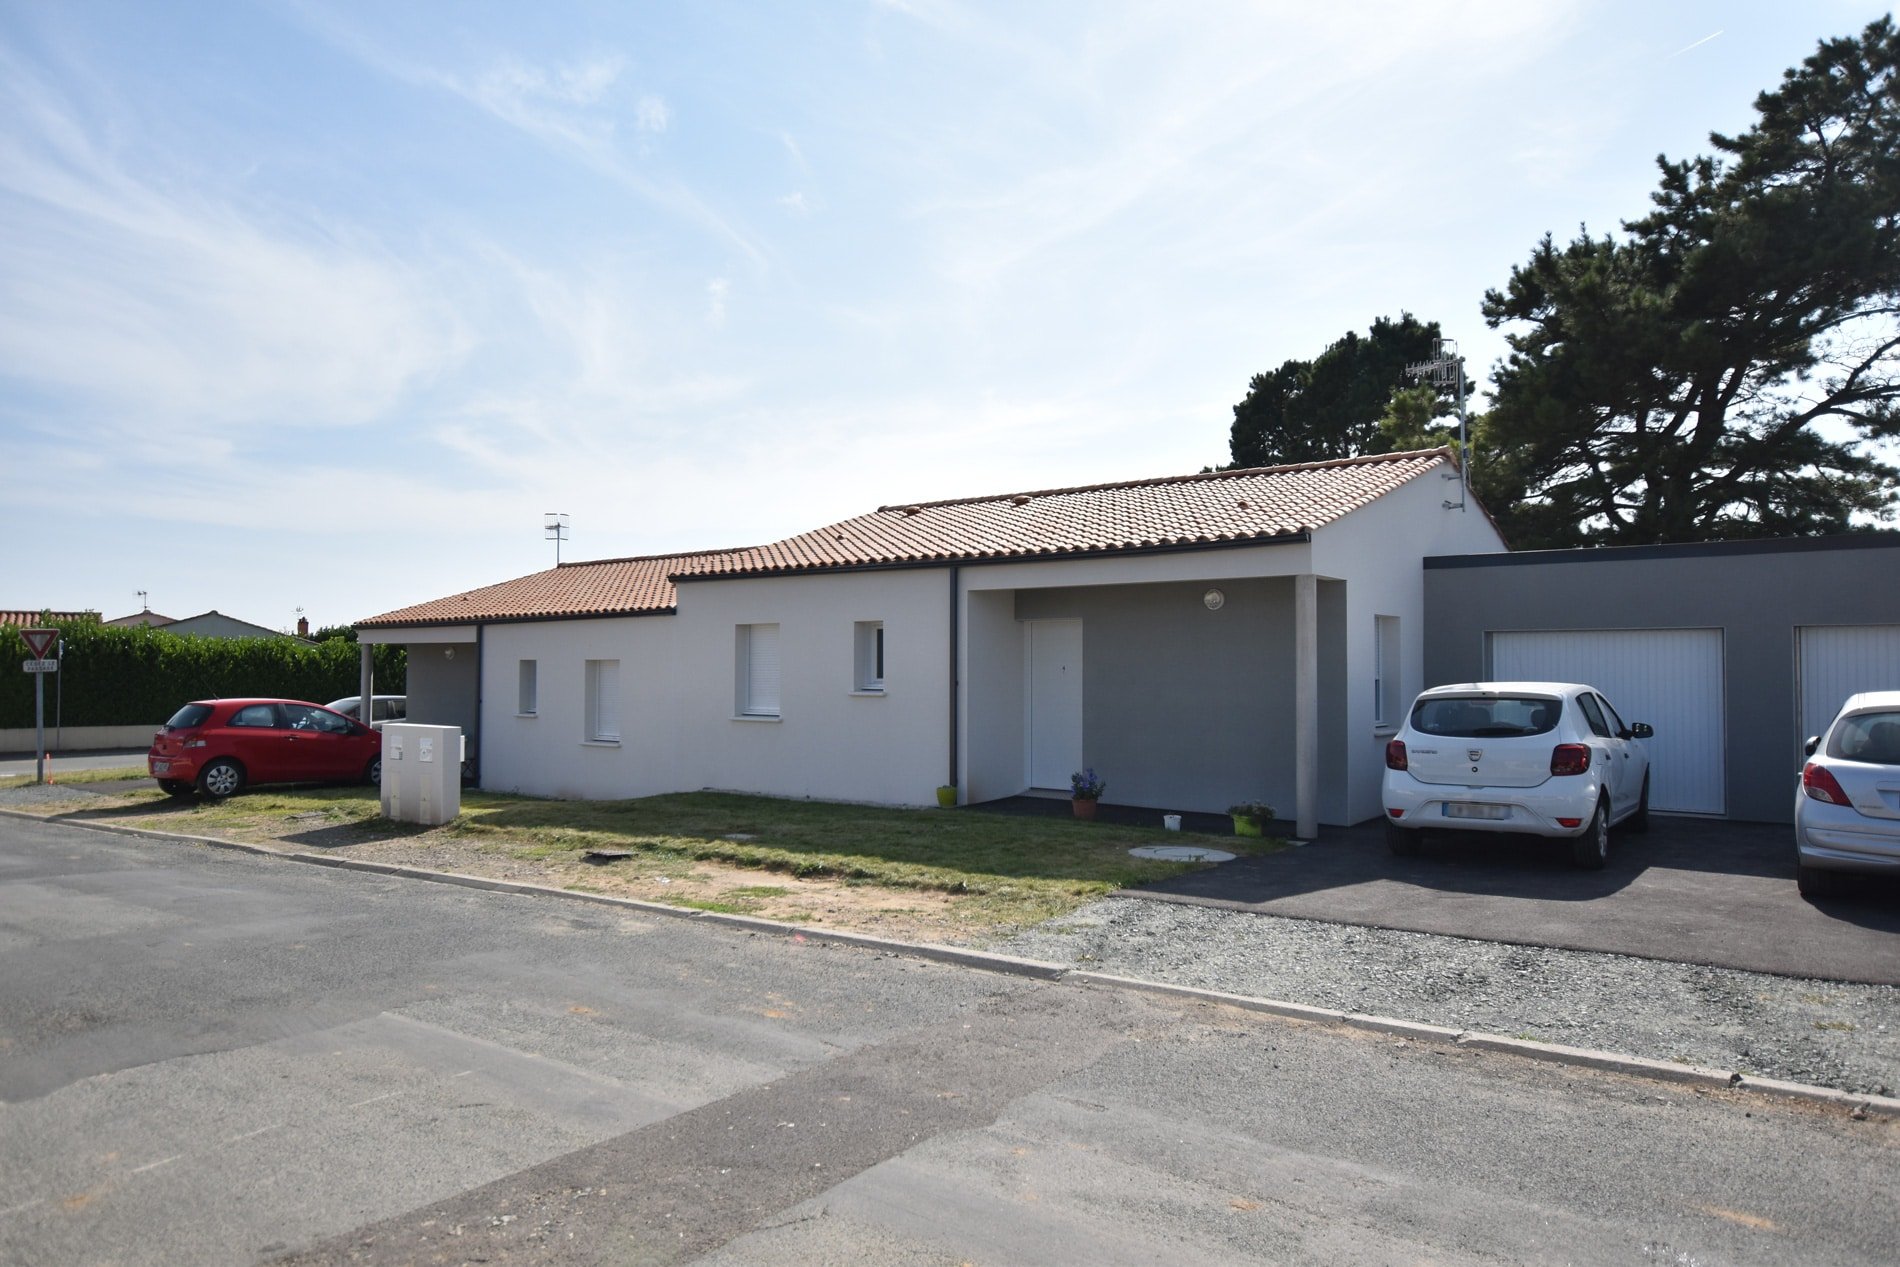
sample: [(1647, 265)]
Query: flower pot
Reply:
[(1171, 822), (1084, 807), (947, 797), (1244, 826)]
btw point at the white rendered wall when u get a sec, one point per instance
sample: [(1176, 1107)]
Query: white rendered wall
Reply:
[(1378, 550), (829, 740), (549, 754)]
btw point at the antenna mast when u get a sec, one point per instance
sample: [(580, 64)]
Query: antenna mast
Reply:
[(1447, 368), (554, 528)]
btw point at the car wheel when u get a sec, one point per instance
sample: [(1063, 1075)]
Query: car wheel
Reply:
[(223, 777), (1402, 842), (1592, 849), (1639, 821), (1815, 882), (177, 787), (373, 772)]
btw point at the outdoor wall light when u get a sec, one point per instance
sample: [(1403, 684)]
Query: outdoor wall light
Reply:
[(1214, 599), (448, 653)]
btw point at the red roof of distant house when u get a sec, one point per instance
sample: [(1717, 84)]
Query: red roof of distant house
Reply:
[(31, 619), (1213, 508)]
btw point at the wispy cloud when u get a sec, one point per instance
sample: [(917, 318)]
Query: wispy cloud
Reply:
[(199, 310)]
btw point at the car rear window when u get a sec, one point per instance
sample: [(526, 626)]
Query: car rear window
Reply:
[(1493, 716), (188, 716), (1870, 737)]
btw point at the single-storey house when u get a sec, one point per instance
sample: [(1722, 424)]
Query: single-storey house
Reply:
[(1197, 640)]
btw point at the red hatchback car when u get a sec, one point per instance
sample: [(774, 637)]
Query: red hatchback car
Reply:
[(219, 746)]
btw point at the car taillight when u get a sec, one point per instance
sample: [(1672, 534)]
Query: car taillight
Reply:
[(1395, 755), (1570, 758), (1818, 782)]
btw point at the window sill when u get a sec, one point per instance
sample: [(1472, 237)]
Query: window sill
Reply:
[(1384, 732), (868, 692), (600, 743), (772, 717), (529, 715)]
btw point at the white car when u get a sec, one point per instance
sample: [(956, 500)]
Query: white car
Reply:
[(1847, 811), (383, 708), (1543, 758)]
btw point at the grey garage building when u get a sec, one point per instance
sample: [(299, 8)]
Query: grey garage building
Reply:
[(1733, 650)]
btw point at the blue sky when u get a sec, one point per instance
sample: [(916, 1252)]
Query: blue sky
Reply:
[(321, 306)]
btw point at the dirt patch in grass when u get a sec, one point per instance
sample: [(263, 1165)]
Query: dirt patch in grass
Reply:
[(955, 876)]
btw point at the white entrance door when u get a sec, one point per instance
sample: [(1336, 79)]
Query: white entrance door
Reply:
[(1670, 678), (1053, 665), (1842, 660)]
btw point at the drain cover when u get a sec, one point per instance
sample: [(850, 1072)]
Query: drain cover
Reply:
[(1181, 853)]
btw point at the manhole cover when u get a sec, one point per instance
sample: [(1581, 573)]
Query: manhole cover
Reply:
[(1181, 853)]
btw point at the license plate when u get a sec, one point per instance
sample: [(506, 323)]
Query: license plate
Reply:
[(1475, 809), (161, 767)]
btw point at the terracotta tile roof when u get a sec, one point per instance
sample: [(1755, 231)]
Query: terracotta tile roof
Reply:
[(31, 619), (602, 587), (1218, 507), (1221, 506)]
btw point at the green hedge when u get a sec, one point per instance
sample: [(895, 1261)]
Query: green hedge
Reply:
[(124, 677)]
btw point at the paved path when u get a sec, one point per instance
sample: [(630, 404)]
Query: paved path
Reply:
[(17, 763), (1692, 891), (216, 1058)]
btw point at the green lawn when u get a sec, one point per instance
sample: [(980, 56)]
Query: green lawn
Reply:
[(1001, 869)]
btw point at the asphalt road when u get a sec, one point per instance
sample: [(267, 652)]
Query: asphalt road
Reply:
[(208, 1057)]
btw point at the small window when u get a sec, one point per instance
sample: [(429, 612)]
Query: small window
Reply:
[(868, 640), (758, 671), (603, 701), (1610, 715), (1387, 702), (524, 688), (259, 715)]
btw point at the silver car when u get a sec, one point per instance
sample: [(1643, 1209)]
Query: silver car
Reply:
[(1847, 810)]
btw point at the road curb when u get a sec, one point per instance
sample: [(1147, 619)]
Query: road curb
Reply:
[(1855, 1105)]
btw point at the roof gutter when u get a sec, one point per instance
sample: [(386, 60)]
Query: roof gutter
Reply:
[(1302, 537)]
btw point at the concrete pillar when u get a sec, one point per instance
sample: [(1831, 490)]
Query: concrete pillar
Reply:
[(1306, 704), (366, 683)]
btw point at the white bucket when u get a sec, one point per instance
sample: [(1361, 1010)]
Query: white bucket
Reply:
[(1171, 821)]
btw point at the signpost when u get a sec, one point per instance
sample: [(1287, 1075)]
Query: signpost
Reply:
[(40, 642)]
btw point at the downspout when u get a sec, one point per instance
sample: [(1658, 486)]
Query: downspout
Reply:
[(955, 649), (475, 740)]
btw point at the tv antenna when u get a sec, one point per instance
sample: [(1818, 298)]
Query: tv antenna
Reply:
[(554, 528), (1447, 369), (145, 603)]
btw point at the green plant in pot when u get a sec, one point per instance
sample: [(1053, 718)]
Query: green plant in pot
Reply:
[(1250, 817), (1085, 789)]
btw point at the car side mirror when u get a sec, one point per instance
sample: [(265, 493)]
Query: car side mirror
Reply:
[(1642, 730), (1814, 741)]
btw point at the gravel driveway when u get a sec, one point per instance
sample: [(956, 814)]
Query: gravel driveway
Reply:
[(1821, 1032)]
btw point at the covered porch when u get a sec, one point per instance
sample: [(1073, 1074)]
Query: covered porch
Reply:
[(1188, 682)]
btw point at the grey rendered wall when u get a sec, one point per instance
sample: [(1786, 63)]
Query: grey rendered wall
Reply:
[(1758, 593), (442, 688), (1183, 708)]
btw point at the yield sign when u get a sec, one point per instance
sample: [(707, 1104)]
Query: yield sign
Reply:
[(40, 641)]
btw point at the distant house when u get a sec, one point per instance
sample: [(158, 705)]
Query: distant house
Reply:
[(211, 624), (146, 618), (1197, 640), (23, 619)]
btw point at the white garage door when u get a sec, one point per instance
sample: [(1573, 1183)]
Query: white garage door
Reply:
[(1841, 660), (1670, 678)]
